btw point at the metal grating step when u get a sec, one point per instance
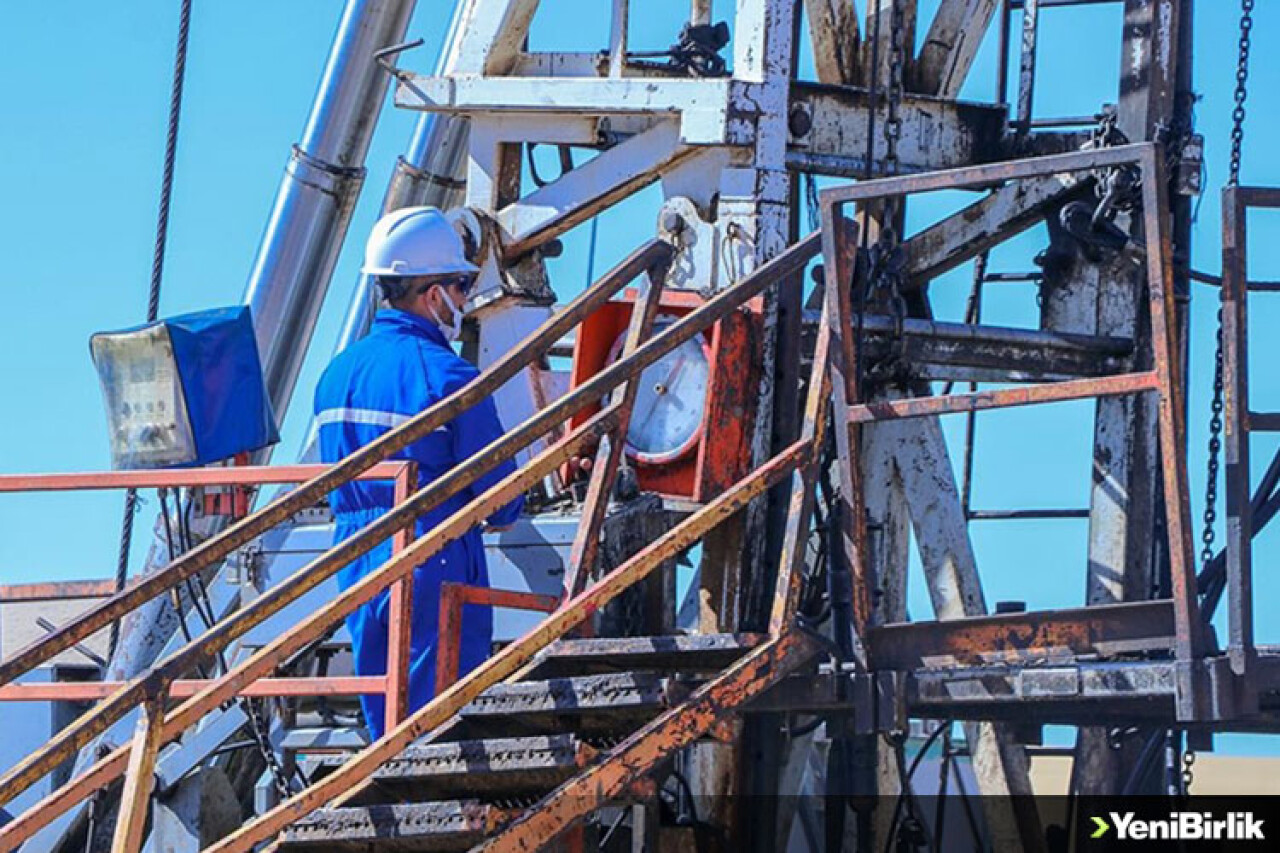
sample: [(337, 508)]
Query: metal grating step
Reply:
[(590, 704), (486, 769), (453, 825), (668, 653)]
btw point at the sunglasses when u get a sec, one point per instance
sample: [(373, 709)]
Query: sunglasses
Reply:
[(463, 282)]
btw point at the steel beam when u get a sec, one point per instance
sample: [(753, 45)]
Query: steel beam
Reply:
[(1050, 635), (828, 132)]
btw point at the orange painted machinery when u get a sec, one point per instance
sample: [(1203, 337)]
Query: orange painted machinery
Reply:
[(690, 433)]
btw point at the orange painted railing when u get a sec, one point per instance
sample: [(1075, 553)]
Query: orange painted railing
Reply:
[(153, 690), (394, 684)]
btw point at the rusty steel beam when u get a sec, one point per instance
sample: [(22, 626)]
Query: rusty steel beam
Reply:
[(986, 175), (1020, 355), (655, 742), (1239, 422), (312, 491), (951, 45), (344, 781), (795, 535), (1172, 431), (1004, 213), (1105, 630), (452, 597), (1053, 392)]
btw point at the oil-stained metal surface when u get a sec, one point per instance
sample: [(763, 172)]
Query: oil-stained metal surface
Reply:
[(936, 349), (668, 653), (452, 825), (936, 133), (497, 767), (592, 704), (1047, 635)]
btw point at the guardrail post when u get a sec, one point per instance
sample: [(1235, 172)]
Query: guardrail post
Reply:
[(400, 619), (140, 777)]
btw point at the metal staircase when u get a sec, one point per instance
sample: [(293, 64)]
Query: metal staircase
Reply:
[(518, 742), (592, 716)]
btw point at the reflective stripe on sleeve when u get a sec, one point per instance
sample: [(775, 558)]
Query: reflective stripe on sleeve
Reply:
[(371, 417)]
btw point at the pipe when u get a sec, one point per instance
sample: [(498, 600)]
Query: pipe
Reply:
[(430, 172), (313, 206)]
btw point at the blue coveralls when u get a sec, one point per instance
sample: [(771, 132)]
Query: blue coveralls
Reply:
[(400, 368)]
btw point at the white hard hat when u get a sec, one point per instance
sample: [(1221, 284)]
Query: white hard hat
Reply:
[(415, 241)]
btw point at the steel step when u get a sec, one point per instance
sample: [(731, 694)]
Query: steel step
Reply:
[(591, 704), (668, 653), (452, 825), (485, 769)]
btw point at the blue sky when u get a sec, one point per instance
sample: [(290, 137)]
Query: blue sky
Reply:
[(85, 93)]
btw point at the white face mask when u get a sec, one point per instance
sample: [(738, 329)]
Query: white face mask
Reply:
[(453, 329)]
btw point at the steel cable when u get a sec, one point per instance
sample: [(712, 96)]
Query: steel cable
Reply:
[(157, 273)]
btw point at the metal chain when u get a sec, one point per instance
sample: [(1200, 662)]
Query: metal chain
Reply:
[(1216, 406), (1242, 91), (1188, 775), (157, 272), (262, 737)]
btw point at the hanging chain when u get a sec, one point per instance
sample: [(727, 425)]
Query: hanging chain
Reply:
[(261, 734), (1217, 405), (1242, 91), (1188, 775)]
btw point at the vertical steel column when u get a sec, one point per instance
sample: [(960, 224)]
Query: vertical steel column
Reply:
[(1189, 643), (1027, 65), (1235, 376)]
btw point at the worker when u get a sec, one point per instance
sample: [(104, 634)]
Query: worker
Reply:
[(403, 366)]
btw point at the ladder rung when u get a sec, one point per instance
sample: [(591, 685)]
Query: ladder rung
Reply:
[(1264, 422)]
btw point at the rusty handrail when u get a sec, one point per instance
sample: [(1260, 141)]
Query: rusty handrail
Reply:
[(787, 264), (310, 492)]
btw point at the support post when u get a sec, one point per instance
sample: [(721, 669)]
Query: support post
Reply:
[(140, 775), (400, 621)]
